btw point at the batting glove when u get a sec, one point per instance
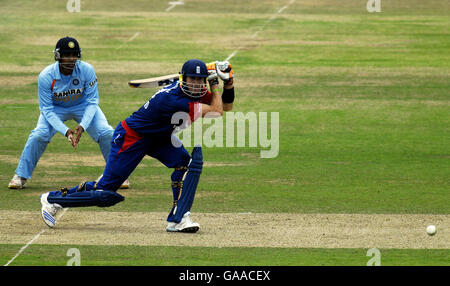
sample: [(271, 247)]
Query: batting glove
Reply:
[(225, 71), (212, 77)]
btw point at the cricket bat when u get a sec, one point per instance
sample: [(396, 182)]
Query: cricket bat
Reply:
[(168, 79), (154, 81)]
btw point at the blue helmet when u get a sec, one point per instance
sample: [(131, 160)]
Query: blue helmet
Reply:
[(193, 68)]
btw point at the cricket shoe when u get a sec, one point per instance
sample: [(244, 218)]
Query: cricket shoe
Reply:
[(17, 182), (185, 225), (125, 184), (49, 211)]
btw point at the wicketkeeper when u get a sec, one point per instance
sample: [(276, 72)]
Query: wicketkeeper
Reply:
[(67, 90), (149, 131)]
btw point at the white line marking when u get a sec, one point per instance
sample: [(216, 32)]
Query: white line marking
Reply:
[(255, 34), (32, 240), (279, 11), (173, 4), (231, 55), (129, 40), (262, 28), (133, 37), (25, 246)]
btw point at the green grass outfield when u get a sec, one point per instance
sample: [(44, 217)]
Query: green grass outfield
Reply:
[(363, 101), (207, 256)]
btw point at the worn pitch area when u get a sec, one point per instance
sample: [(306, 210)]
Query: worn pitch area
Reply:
[(231, 230)]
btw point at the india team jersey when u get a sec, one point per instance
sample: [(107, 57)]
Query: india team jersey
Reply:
[(58, 90), (77, 88), (156, 115)]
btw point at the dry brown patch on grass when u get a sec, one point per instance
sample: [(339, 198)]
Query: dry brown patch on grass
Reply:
[(253, 82), (8, 81), (9, 159), (350, 42), (282, 182), (22, 101), (67, 160), (224, 164), (58, 167), (57, 182), (250, 156), (61, 160), (133, 192), (318, 17), (232, 230), (53, 172), (339, 76), (366, 104), (153, 69), (350, 71), (34, 68), (42, 40)]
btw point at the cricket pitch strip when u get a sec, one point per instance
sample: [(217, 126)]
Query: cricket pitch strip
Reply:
[(284, 230)]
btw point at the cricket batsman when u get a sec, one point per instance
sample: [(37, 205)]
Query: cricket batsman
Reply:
[(149, 131), (67, 90)]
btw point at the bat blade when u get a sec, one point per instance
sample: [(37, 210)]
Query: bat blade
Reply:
[(154, 81)]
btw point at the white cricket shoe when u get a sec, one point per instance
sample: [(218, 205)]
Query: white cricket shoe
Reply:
[(125, 185), (49, 211), (17, 182), (185, 225)]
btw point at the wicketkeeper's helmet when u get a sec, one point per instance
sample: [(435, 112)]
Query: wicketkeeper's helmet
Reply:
[(67, 45), (194, 68)]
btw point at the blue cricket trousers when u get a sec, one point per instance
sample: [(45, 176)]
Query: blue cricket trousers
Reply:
[(128, 148)]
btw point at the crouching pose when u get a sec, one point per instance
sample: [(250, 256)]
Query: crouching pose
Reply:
[(149, 131), (67, 90)]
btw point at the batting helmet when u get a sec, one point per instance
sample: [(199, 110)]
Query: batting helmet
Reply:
[(193, 68)]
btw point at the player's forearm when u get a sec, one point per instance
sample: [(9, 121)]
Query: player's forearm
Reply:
[(54, 121), (92, 101), (46, 105), (216, 102), (88, 115)]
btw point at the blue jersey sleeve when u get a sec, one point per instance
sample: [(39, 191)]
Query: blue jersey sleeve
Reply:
[(91, 95), (46, 103)]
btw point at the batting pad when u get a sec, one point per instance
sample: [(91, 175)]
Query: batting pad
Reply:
[(97, 198), (190, 183)]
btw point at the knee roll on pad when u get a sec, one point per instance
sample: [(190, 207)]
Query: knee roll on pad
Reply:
[(177, 174), (196, 163)]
